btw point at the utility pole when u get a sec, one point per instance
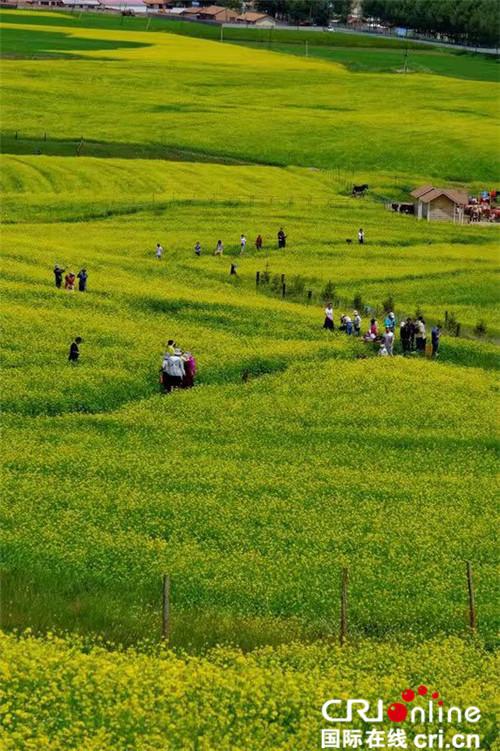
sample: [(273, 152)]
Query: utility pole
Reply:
[(406, 59)]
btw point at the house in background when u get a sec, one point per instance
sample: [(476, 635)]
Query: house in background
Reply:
[(439, 204), (218, 14), (257, 19)]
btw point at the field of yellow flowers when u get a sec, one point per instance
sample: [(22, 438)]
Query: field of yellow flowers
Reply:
[(59, 695), (294, 457)]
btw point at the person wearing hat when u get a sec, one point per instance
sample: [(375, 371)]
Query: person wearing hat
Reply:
[(356, 323), (173, 371), (390, 321), (58, 275)]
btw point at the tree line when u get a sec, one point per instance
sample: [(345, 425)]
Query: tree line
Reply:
[(316, 12), (465, 21)]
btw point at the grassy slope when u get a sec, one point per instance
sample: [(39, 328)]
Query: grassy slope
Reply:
[(322, 115), (251, 496)]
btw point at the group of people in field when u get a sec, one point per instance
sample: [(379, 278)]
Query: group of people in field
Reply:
[(412, 332), (70, 279), (178, 368), (219, 248)]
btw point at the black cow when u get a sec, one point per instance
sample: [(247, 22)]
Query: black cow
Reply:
[(359, 190)]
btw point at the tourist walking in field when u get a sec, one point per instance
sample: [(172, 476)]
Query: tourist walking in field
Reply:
[(69, 281), (411, 334), (281, 238), (159, 252), (420, 334), (258, 242), (356, 323), (328, 324), (219, 249), (189, 370), (243, 244), (348, 325), (197, 249), (361, 236), (173, 371), (58, 275), (389, 340), (435, 337), (390, 321), (404, 335), (74, 350), (82, 280)]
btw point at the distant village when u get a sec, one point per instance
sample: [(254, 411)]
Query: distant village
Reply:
[(187, 11)]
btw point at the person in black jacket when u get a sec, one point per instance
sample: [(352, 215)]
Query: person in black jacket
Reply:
[(82, 280), (58, 275), (74, 350)]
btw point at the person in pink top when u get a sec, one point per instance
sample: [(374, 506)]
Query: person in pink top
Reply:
[(189, 371)]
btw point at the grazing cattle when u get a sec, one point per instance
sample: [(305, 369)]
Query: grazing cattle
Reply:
[(359, 190)]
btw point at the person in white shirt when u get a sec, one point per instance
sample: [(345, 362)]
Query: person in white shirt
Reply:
[(243, 243), (389, 340), (383, 351), (328, 324), (159, 251), (357, 323), (361, 236), (173, 371)]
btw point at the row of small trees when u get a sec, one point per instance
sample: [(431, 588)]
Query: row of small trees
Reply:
[(465, 21)]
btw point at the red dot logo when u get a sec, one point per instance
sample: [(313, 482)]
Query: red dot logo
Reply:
[(435, 695), (440, 703), (408, 695), (422, 690), (397, 712)]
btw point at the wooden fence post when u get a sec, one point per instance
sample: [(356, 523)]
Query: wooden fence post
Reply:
[(472, 599), (165, 615), (283, 290), (343, 606), (309, 296), (282, 279), (446, 318), (458, 330), (257, 278)]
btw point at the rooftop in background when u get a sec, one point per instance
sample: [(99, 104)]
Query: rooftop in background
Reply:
[(428, 193)]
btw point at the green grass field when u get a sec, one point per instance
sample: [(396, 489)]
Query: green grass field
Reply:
[(252, 494)]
